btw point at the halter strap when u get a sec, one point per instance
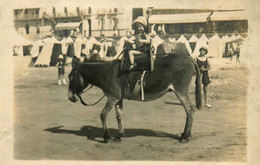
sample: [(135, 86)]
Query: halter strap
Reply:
[(82, 101)]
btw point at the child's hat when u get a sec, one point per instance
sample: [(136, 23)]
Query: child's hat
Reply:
[(141, 20), (60, 57), (204, 48)]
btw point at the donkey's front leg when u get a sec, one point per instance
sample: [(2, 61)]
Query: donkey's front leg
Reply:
[(119, 115), (103, 116)]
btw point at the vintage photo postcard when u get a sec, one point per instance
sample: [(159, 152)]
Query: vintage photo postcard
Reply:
[(133, 82)]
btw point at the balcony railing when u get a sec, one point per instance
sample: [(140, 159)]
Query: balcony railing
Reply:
[(26, 17)]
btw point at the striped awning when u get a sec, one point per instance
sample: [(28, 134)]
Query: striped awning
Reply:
[(179, 18), (67, 26)]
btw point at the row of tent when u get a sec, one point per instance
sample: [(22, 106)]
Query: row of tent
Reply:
[(217, 47), (46, 51)]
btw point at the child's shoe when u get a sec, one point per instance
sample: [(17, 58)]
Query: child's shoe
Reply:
[(208, 105), (131, 67), (64, 81)]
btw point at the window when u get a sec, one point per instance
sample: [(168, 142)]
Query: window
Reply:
[(37, 28), (27, 29), (102, 23), (16, 12), (115, 21), (66, 11), (137, 12), (26, 11), (89, 10), (78, 11)]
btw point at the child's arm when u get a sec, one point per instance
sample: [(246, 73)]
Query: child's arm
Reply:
[(209, 66), (147, 40), (130, 40)]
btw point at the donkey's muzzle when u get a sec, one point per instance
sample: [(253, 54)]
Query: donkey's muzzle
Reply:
[(72, 97)]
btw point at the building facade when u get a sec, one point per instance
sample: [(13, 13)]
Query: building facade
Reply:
[(36, 23)]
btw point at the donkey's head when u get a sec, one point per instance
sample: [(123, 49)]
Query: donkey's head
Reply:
[(76, 82)]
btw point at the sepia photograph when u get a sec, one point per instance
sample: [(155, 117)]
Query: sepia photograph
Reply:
[(129, 82)]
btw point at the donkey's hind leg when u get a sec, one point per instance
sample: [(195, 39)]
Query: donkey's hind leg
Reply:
[(119, 115), (184, 99), (109, 105)]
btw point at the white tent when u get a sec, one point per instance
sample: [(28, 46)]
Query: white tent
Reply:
[(223, 42), (203, 38), (36, 48), (193, 41), (182, 46), (233, 37), (156, 41), (84, 39), (193, 38), (19, 43), (48, 52), (77, 46), (214, 46), (172, 40)]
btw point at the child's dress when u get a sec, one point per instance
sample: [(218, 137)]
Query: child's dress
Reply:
[(205, 74), (61, 68)]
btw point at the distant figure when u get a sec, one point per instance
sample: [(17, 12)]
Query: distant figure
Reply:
[(61, 70), (204, 66), (163, 29), (153, 32), (230, 54), (237, 52), (95, 56), (160, 30)]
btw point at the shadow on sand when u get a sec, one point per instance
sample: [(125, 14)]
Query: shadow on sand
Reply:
[(92, 133)]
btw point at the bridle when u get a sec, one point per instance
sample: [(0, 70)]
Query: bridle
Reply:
[(79, 94)]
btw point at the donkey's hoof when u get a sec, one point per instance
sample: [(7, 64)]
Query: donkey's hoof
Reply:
[(121, 135), (106, 139), (117, 139), (184, 138)]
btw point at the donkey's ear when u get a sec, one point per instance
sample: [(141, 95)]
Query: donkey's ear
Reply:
[(75, 62)]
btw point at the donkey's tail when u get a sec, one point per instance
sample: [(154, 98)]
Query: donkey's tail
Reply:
[(198, 87)]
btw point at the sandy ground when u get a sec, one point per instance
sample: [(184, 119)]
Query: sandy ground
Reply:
[(48, 126)]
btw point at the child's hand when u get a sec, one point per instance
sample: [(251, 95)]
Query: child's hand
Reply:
[(131, 40), (202, 68)]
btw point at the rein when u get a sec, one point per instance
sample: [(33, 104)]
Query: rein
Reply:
[(81, 100), (87, 89)]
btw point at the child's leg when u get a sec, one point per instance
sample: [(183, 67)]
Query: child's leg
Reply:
[(131, 55), (205, 90), (63, 80), (59, 79)]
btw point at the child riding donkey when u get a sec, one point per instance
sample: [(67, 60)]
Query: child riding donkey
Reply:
[(141, 39)]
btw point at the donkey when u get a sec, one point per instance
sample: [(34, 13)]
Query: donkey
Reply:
[(171, 73)]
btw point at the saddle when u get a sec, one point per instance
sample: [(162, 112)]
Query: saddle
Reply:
[(144, 61), (137, 90)]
